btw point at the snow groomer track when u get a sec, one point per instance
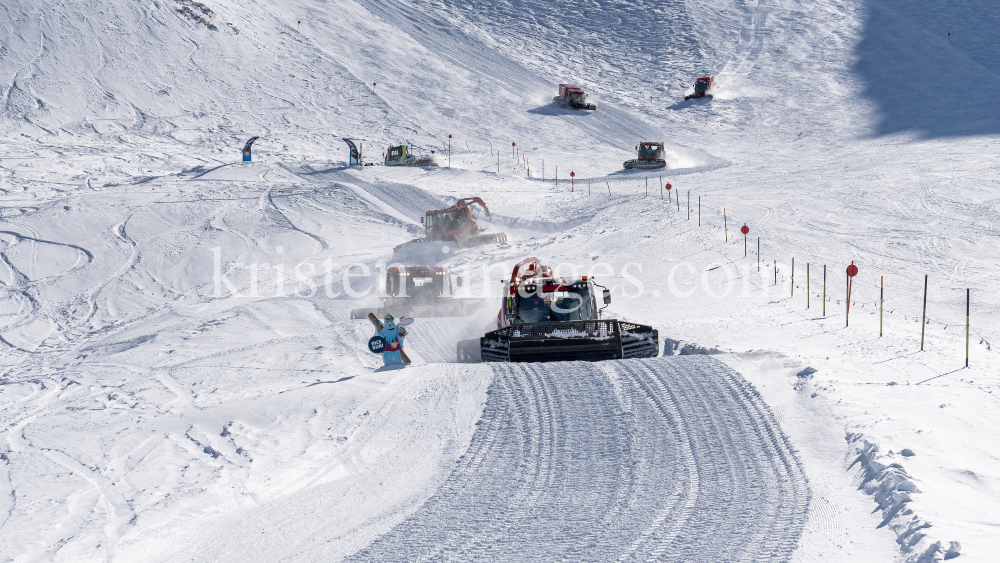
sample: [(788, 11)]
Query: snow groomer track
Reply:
[(637, 460)]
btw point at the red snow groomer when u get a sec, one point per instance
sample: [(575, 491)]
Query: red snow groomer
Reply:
[(703, 88), (574, 97), (544, 319), (650, 157), (457, 224)]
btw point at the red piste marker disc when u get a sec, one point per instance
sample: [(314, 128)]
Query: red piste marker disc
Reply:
[(852, 270), (744, 229), (668, 185)]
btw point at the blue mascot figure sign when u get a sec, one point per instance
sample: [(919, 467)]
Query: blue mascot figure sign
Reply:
[(390, 336), (246, 149)]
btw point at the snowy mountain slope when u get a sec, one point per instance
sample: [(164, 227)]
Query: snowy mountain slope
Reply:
[(931, 67), (133, 374)]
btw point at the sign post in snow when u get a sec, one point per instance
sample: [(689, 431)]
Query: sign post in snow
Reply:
[(852, 271), (449, 151), (571, 176), (745, 230), (923, 321)]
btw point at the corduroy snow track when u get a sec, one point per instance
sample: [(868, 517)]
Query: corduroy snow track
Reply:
[(634, 460)]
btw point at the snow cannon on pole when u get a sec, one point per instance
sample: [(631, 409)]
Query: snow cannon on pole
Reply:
[(246, 149)]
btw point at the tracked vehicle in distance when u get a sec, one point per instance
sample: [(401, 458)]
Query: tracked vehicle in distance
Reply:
[(421, 292), (402, 155), (650, 157), (704, 87), (574, 97), (457, 224)]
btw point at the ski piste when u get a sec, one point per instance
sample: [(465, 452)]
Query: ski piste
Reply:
[(171, 388)]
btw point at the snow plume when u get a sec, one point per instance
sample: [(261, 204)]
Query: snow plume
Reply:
[(888, 483)]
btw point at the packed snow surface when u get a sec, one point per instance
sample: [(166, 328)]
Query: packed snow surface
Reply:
[(628, 461), (180, 378)]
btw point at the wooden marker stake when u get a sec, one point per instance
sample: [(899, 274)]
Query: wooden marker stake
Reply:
[(923, 323), (852, 271)]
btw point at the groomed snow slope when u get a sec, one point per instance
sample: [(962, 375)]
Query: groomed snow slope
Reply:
[(671, 460), (155, 407)]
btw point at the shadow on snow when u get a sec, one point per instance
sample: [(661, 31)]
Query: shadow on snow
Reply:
[(920, 81)]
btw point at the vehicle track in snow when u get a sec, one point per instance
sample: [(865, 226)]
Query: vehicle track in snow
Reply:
[(641, 460), (752, 34)]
